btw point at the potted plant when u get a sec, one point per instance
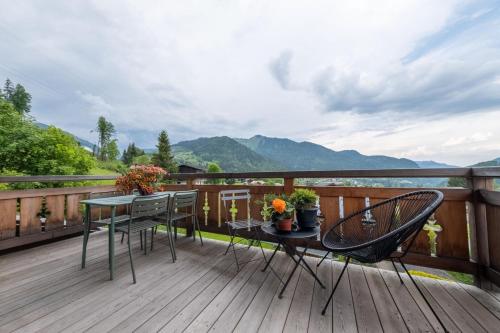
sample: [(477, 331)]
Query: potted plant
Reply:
[(304, 201), (140, 177), (281, 213), (43, 214)]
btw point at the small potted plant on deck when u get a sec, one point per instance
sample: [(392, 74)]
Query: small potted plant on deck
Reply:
[(304, 201), (43, 214), (140, 177)]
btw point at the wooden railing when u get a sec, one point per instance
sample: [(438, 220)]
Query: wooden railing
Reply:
[(469, 217)]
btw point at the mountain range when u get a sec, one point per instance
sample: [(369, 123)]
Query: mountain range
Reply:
[(261, 153)]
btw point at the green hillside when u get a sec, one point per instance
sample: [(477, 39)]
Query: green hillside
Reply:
[(310, 156), (228, 153)]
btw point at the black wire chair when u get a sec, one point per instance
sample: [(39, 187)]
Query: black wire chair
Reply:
[(384, 231)]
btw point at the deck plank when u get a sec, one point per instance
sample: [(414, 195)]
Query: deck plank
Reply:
[(482, 315), (276, 315), (253, 316), (413, 316), (317, 321), (300, 310), (212, 311), (44, 290), (462, 319), (344, 317), (366, 312), (388, 312), (237, 308)]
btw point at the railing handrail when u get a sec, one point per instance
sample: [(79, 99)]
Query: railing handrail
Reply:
[(361, 173)]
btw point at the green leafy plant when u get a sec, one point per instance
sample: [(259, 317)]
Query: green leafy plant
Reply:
[(303, 198), (44, 211), (276, 207)]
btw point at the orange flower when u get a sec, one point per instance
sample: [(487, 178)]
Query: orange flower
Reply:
[(279, 205)]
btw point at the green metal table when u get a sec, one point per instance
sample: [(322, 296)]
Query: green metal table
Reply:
[(111, 202)]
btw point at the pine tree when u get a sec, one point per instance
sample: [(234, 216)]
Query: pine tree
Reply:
[(105, 130), (18, 96), (130, 153), (164, 158)]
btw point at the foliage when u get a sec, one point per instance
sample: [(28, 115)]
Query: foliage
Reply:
[(213, 167), (231, 155), (110, 168), (142, 160), (44, 211), (456, 182), (164, 158), (105, 130), (303, 198), (28, 149), (141, 177), (281, 209), (278, 206), (17, 96), (130, 153), (112, 150)]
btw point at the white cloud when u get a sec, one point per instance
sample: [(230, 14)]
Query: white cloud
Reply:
[(241, 68)]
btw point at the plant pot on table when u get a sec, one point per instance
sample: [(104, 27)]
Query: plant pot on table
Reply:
[(283, 225), (307, 217)]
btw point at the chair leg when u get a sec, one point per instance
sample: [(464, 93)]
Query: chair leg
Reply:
[(396, 269), (230, 243), (123, 236), (322, 259), (145, 242), (194, 228), (423, 296), (199, 229), (152, 237), (130, 255), (336, 285), (140, 234), (171, 243)]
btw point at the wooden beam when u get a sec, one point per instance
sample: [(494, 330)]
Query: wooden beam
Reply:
[(52, 179), (382, 173), (479, 226), (54, 191), (39, 237), (288, 185)]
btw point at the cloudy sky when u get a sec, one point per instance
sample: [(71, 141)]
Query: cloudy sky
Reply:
[(417, 79)]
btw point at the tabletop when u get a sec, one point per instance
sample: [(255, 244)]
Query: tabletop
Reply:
[(300, 234), (119, 200)]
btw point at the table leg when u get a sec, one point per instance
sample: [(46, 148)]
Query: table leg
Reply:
[(86, 232), (293, 270), (271, 258), (111, 229), (303, 263)]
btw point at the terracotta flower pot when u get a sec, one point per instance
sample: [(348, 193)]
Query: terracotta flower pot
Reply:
[(284, 225)]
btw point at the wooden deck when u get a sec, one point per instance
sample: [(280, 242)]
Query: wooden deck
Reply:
[(43, 289)]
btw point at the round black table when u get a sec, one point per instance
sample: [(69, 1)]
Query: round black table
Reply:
[(286, 240)]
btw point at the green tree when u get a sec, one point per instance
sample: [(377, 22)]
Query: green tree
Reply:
[(112, 150), (18, 96), (28, 149), (130, 153), (213, 167), (142, 160), (164, 158), (8, 89), (105, 130)]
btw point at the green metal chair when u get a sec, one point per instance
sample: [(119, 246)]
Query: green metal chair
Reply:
[(106, 221), (146, 213)]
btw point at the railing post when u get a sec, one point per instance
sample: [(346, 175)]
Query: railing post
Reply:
[(288, 185), (479, 228)]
